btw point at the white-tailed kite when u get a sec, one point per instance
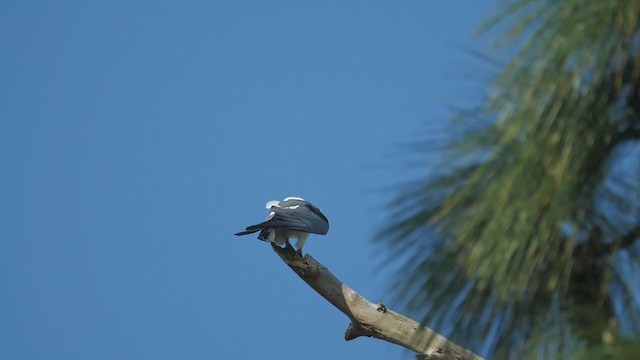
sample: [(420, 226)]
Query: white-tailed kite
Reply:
[(293, 217)]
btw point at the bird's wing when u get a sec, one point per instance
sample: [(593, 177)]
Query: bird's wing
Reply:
[(302, 217)]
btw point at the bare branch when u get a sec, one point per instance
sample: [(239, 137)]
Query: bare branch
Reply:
[(369, 319)]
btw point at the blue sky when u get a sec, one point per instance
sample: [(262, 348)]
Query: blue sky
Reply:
[(137, 137)]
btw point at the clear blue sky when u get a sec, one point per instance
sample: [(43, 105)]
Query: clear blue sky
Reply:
[(137, 137)]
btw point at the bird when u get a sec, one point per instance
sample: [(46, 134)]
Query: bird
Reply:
[(293, 217)]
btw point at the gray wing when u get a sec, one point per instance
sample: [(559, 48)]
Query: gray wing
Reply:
[(303, 217)]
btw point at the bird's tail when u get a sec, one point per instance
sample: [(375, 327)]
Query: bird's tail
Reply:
[(247, 232)]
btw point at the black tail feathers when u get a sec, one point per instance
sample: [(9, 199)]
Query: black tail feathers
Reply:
[(246, 232)]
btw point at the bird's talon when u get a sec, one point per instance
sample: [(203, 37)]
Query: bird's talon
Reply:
[(289, 248)]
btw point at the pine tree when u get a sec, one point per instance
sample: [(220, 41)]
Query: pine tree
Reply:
[(525, 242)]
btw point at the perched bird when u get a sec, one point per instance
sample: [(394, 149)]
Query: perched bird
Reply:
[(293, 217)]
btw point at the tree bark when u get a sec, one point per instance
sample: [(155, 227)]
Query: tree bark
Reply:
[(369, 319)]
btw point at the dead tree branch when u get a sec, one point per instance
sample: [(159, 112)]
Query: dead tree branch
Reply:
[(369, 319)]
